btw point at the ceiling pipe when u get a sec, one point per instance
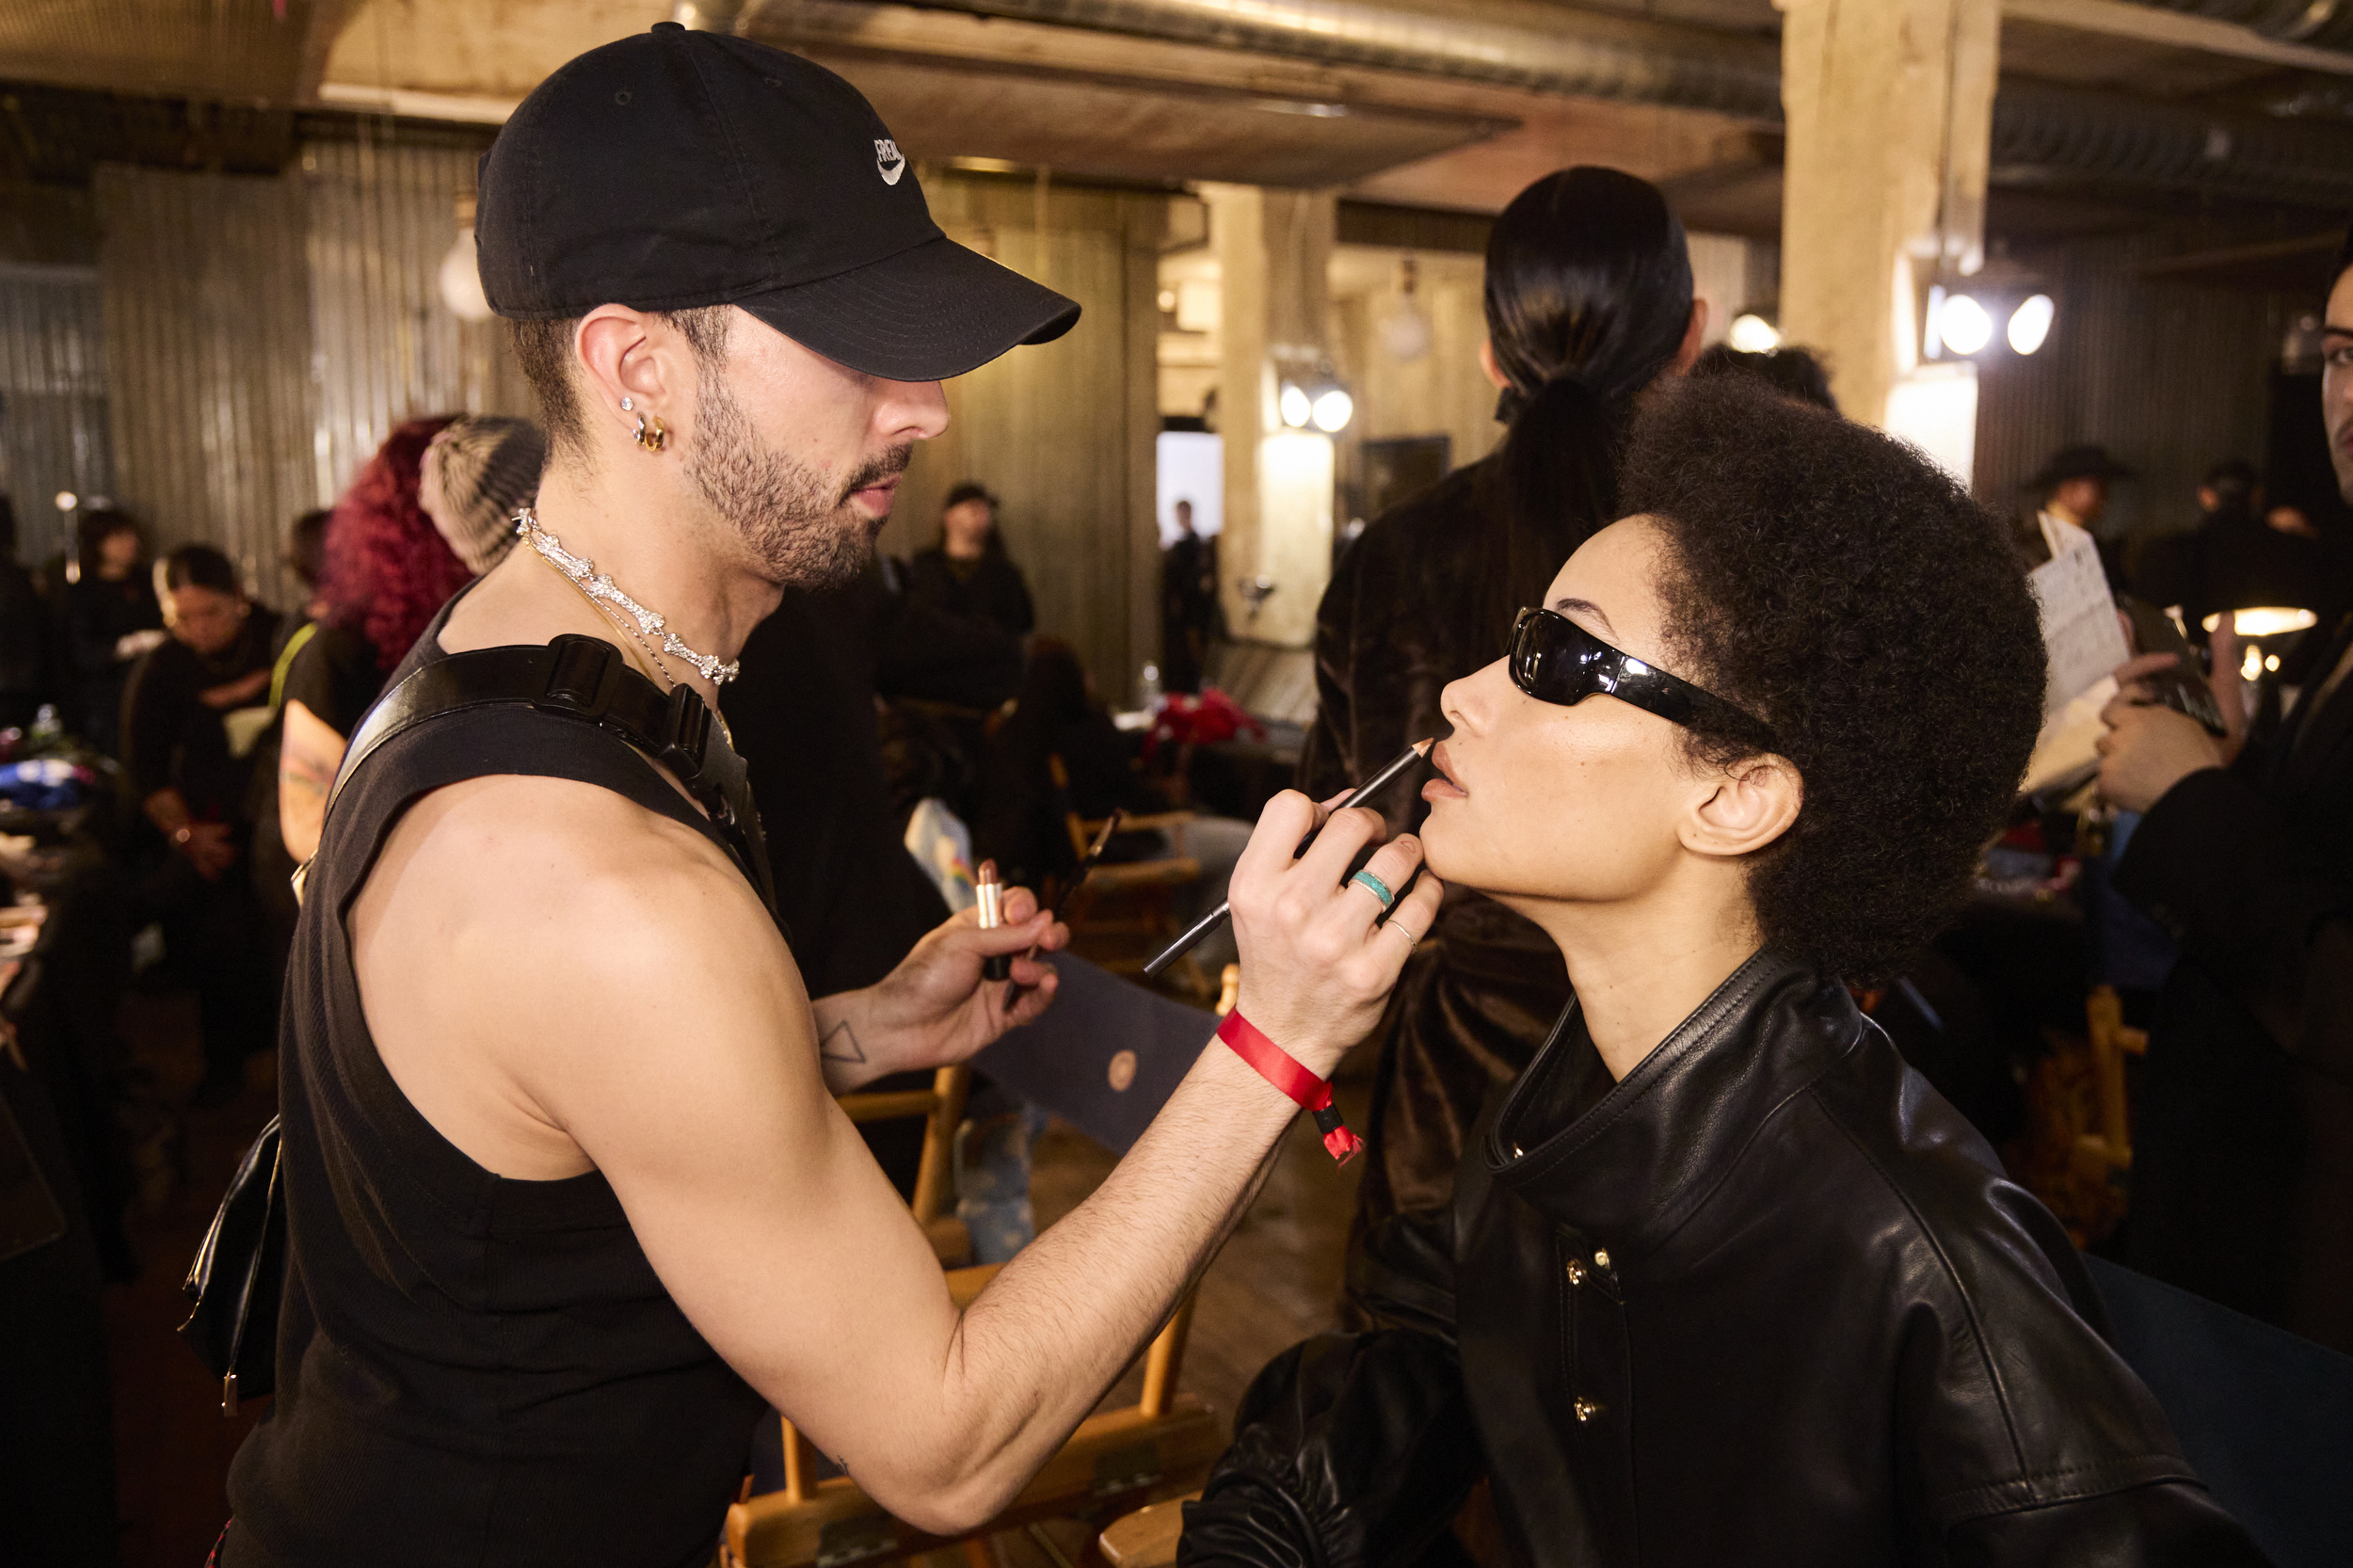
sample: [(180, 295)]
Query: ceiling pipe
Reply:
[(2042, 133), (2324, 23), (1644, 63)]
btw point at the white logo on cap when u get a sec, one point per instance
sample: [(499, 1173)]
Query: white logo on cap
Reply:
[(889, 161)]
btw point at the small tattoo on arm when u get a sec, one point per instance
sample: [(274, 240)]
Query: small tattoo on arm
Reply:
[(840, 1045)]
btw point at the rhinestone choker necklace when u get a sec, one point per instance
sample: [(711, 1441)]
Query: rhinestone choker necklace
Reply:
[(596, 585)]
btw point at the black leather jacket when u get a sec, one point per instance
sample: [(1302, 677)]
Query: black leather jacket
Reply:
[(1769, 1300)]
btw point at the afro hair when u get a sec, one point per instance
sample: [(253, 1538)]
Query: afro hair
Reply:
[(1832, 580)]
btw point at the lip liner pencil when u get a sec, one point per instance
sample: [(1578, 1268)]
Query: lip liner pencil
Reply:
[(1095, 853), (1217, 916)]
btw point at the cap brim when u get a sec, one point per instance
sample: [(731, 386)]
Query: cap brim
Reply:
[(923, 314)]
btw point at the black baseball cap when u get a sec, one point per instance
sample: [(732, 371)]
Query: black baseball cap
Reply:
[(680, 168)]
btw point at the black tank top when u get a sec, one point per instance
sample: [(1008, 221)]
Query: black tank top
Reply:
[(470, 1370)]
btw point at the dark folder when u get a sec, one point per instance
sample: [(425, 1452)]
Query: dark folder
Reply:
[(1105, 1057)]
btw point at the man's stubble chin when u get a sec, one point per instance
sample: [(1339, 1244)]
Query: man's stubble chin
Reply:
[(798, 530)]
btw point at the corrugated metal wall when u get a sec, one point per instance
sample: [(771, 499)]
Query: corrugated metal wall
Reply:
[(381, 219), (1062, 433), (53, 400), (208, 349), (2168, 378), (263, 335)]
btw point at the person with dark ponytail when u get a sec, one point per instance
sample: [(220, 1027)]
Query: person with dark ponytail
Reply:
[(1587, 301)]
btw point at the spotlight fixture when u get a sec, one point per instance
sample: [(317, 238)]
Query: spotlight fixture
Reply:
[(1964, 325), (1319, 401), (2030, 323), (1752, 333), (1297, 407)]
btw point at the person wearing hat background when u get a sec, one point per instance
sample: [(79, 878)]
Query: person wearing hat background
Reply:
[(568, 1198), (2073, 487), (968, 573)]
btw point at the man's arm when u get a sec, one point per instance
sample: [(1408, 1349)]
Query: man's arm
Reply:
[(609, 987)]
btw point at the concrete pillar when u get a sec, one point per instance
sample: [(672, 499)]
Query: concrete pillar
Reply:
[(1890, 108), (1273, 250)]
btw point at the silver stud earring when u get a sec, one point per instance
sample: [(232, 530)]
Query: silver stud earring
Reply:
[(627, 405)]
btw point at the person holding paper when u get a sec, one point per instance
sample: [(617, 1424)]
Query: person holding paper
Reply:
[(2243, 1149)]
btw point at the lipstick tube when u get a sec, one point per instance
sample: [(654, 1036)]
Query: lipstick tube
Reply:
[(991, 893)]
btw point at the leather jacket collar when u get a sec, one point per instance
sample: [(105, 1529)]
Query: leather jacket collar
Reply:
[(1628, 1170)]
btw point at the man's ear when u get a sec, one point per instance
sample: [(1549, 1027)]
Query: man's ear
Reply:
[(623, 353), (1694, 338), (1743, 809)]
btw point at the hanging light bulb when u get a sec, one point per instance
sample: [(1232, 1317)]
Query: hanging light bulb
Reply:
[(1752, 333), (2030, 323), (1964, 325), (460, 276), (1296, 406)]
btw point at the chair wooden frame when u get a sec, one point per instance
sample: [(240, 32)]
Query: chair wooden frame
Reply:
[(1117, 1461), (1149, 882), (941, 1106), (2112, 1040)]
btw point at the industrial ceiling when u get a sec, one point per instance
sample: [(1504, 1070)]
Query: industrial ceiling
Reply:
[(2106, 105)]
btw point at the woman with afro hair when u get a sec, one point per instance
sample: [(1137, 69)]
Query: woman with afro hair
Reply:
[(1721, 1280), (430, 512)]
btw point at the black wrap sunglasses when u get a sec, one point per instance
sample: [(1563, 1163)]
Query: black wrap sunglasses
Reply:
[(1554, 660)]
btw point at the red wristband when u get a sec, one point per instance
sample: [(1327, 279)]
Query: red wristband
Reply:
[(1282, 1069)]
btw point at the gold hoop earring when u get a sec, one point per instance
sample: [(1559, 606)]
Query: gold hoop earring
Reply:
[(650, 433)]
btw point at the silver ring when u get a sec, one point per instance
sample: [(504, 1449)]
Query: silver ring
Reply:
[(1400, 925)]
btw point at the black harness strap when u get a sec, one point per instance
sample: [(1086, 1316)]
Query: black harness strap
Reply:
[(587, 680)]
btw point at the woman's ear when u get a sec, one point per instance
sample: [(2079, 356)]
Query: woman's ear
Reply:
[(1487, 363), (1694, 338), (1751, 803)]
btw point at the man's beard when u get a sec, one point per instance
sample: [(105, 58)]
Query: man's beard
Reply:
[(798, 526)]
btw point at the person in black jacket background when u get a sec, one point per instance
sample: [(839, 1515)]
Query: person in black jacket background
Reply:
[(2243, 1149), (967, 575), (110, 618), (1723, 1281), (191, 714), (1589, 302)]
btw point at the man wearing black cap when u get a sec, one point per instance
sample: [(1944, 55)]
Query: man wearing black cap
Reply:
[(2243, 1137), (2074, 487), (567, 1199)]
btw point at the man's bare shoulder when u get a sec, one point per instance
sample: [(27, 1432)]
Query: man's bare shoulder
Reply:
[(535, 942)]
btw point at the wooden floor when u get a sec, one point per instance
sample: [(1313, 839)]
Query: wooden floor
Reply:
[(1273, 1285)]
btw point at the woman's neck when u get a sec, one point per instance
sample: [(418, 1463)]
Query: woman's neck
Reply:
[(1641, 966)]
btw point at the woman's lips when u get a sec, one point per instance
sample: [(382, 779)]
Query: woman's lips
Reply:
[(1443, 787)]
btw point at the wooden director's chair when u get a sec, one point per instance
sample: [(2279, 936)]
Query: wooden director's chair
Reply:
[(1124, 914), (1160, 1447)]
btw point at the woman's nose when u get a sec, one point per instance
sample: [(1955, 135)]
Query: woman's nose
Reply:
[(1470, 703)]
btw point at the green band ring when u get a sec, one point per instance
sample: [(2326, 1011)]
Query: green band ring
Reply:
[(1374, 886)]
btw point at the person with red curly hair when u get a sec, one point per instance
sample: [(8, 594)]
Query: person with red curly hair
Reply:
[(431, 511)]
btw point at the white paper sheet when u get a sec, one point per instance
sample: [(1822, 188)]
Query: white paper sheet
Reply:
[(2080, 632)]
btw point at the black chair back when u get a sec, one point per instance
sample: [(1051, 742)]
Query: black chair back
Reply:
[(2266, 1416)]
